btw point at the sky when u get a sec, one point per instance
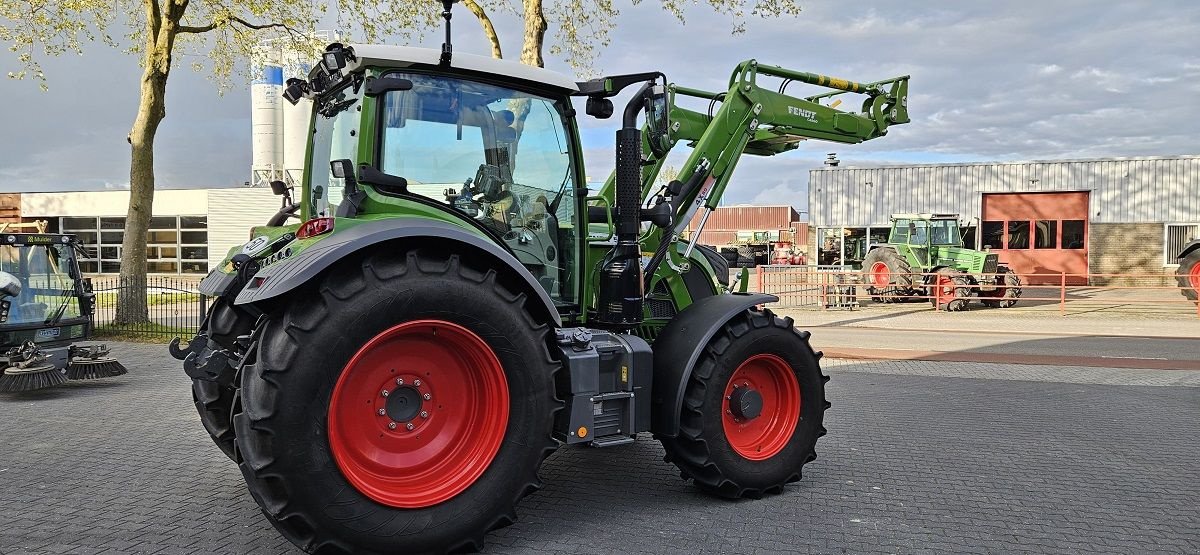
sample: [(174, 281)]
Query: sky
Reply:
[(991, 81)]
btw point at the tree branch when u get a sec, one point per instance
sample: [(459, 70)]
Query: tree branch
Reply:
[(196, 30), (486, 22)]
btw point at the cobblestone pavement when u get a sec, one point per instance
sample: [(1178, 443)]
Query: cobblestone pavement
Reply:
[(920, 457)]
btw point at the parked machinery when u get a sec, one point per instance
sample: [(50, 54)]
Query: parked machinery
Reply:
[(45, 309), (1188, 273), (932, 244), (390, 373)]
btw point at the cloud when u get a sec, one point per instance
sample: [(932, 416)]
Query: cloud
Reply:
[(990, 81)]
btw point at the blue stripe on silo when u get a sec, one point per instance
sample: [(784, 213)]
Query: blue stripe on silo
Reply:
[(271, 75)]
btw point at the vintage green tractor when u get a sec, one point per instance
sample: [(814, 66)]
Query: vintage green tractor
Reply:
[(925, 256), (453, 307)]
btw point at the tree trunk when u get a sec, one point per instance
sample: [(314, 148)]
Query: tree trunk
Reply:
[(535, 34), (131, 301)]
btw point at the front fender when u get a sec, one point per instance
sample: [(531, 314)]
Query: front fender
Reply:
[(1189, 249), (679, 345), (280, 278)]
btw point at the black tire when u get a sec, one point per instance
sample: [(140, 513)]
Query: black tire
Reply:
[(899, 279), (960, 287), (1009, 290), (1189, 266), (214, 402), (282, 432), (702, 451)]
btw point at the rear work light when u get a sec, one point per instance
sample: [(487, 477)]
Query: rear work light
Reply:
[(315, 227)]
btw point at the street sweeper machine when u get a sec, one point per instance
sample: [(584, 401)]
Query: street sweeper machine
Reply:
[(45, 310)]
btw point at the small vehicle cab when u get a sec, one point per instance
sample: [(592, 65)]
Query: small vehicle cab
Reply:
[(50, 303)]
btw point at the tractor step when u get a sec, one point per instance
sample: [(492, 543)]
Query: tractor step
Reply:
[(612, 441)]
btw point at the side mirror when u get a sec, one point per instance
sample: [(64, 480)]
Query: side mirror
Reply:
[(10, 286), (279, 188), (342, 169), (336, 57), (658, 121), (295, 90)]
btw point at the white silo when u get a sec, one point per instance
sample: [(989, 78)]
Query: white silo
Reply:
[(295, 130), (266, 118)]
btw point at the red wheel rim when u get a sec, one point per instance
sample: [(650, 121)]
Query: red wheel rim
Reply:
[(880, 274), (438, 427), (765, 434), (1194, 277), (946, 287)]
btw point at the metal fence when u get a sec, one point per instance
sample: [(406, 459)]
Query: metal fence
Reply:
[(174, 307), (840, 287)]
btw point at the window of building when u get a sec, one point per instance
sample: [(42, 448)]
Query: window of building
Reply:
[(1073, 237), (993, 235), (1018, 235), (1045, 234), (176, 244), (1177, 237)]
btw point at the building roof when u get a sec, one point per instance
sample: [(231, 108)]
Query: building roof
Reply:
[(404, 56)]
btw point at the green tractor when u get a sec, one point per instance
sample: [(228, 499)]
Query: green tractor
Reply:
[(452, 306), (925, 256)]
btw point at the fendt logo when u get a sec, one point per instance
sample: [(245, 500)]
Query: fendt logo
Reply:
[(806, 114)]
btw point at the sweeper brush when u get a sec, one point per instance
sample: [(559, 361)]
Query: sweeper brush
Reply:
[(92, 362), (16, 379)]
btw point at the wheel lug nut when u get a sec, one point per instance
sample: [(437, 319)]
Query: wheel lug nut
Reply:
[(409, 426), (384, 393), (417, 383), (399, 381), (424, 414), (391, 425), (427, 396), (381, 412)]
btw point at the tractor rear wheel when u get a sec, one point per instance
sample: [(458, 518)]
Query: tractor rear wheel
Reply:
[(950, 290), (1188, 275), (214, 402), (752, 409), (404, 405), (888, 275), (1008, 290)]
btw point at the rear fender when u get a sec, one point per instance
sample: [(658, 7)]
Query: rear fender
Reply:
[(679, 346), (1194, 246), (278, 279)]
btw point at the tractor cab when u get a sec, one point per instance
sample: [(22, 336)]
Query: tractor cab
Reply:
[(921, 232)]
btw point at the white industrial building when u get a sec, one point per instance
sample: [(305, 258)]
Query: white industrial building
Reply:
[(191, 230), (1104, 216)]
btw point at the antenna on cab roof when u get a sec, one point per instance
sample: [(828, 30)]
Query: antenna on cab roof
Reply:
[(447, 49)]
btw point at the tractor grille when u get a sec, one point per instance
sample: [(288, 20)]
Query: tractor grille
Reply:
[(659, 302), (990, 262)]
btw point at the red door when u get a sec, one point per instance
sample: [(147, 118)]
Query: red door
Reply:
[(1039, 235)]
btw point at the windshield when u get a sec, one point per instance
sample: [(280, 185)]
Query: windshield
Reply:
[(47, 287), (922, 232), (335, 137), (499, 156)]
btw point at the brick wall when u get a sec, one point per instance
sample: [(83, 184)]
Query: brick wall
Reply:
[(1127, 249), (10, 207)]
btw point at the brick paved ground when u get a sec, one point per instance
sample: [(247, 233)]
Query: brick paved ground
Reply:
[(919, 458)]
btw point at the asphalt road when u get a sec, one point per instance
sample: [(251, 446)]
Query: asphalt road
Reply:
[(921, 457), (1090, 346)]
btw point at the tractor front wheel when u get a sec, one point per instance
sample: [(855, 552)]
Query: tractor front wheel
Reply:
[(401, 406), (1188, 275), (752, 409), (950, 290), (214, 402), (1008, 290)]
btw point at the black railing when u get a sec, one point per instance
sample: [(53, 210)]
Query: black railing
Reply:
[(173, 308)]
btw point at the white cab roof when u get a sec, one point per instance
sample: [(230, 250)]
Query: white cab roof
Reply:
[(404, 56)]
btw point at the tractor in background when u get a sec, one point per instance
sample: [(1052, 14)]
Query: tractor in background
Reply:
[(452, 306), (925, 256), (1188, 273), (46, 307)]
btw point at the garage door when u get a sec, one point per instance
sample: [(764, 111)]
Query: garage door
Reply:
[(1042, 235)]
